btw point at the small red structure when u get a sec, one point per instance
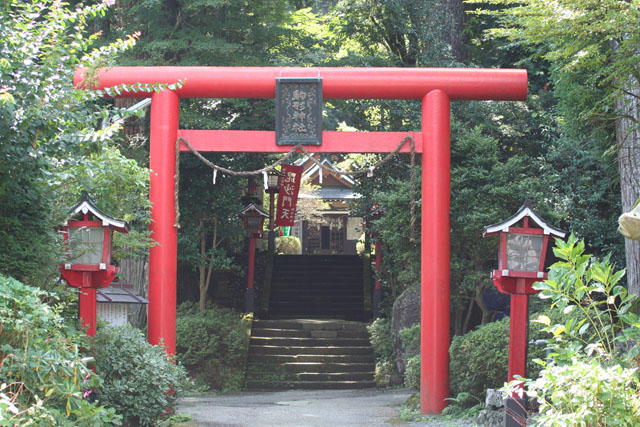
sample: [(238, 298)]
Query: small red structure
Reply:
[(521, 256), (253, 221), (89, 238)]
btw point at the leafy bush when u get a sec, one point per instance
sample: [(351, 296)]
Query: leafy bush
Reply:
[(412, 372), (411, 342), (213, 345), (43, 377), (140, 381), (382, 342), (479, 359), (288, 245), (592, 378)]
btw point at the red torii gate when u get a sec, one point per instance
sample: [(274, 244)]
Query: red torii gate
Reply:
[(435, 87)]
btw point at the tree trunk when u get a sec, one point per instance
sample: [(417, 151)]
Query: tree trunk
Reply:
[(628, 140), (454, 10)]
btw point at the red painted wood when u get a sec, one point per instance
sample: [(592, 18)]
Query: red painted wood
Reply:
[(526, 230), (518, 335), (502, 262), (252, 253), (434, 347), (163, 256), (106, 246), (543, 252), (254, 141), (85, 224), (337, 83), (87, 309)]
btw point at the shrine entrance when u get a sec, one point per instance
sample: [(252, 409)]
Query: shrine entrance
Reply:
[(435, 87)]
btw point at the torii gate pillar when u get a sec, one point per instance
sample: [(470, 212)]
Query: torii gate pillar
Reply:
[(434, 257), (434, 86)]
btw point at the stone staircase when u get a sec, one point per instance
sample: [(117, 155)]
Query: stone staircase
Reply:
[(328, 286), (309, 354)]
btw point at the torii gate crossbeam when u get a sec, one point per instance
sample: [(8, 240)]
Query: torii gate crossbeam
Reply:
[(435, 87)]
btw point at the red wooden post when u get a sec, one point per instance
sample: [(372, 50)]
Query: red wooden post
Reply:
[(252, 255), (434, 344), (518, 335), (165, 109), (87, 310)]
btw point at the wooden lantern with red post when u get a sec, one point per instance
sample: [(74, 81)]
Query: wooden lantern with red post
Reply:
[(89, 238), (253, 220), (524, 239)]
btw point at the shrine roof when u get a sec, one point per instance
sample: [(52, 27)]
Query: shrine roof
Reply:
[(334, 193)]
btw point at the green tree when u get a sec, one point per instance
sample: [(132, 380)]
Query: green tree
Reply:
[(594, 45), (46, 123)]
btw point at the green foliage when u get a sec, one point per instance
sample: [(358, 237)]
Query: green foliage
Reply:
[(44, 379), (288, 245), (592, 378), (140, 381), (410, 338), (469, 353), (591, 287), (213, 345), (119, 186), (479, 359), (597, 40), (46, 123), (587, 392), (410, 33), (382, 342)]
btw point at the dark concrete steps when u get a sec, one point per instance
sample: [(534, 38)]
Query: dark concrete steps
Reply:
[(309, 354), (317, 285), (309, 385)]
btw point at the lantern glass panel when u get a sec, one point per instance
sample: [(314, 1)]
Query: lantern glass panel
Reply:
[(86, 244), (523, 252), (254, 223), (272, 181)]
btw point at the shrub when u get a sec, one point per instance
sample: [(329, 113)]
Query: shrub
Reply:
[(411, 342), (382, 342), (479, 359), (412, 372), (43, 376), (213, 345), (288, 245), (592, 378), (140, 381)]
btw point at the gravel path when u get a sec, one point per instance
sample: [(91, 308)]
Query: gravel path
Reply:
[(325, 408)]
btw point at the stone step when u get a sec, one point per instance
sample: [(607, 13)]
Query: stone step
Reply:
[(301, 333), (310, 358), (308, 385), (326, 306), (280, 350), (298, 367), (310, 342), (347, 317), (341, 292), (311, 324), (312, 376)]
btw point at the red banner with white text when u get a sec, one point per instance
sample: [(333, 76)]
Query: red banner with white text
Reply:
[(288, 196)]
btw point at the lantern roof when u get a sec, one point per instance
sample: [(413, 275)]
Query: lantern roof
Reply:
[(119, 293), (525, 210), (86, 205), (253, 208)]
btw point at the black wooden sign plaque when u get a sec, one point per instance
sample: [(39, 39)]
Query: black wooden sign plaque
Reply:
[(298, 111)]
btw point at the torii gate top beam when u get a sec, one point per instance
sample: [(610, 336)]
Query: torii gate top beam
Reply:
[(338, 83)]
